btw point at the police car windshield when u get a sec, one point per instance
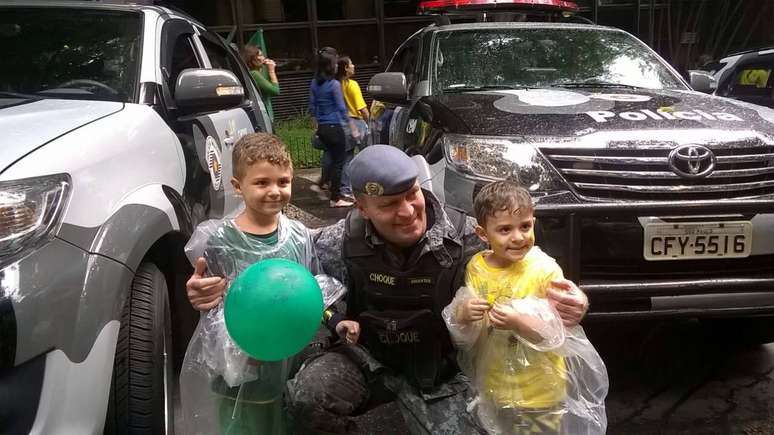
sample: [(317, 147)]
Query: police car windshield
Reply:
[(545, 57), (71, 53)]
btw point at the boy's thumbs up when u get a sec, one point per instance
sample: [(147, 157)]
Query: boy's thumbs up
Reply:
[(204, 293), (199, 268)]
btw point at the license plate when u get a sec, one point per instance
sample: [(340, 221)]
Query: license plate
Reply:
[(705, 240)]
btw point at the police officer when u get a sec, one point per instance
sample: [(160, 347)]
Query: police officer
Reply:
[(402, 256)]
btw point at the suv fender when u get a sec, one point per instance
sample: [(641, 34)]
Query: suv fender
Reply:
[(150, 212)]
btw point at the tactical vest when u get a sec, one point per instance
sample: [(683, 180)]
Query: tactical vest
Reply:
[(399, 310)]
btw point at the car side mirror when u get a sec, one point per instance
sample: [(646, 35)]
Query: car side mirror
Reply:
[(702, 81), (207, 90), (390, 87)]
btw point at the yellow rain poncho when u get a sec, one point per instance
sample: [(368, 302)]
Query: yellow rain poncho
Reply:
[(553, 385)]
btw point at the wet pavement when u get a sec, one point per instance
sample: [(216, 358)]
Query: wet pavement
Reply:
[(685, 377), (666, 377)]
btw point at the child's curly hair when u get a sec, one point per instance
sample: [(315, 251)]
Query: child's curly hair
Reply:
[(501, 195), (256, 147)]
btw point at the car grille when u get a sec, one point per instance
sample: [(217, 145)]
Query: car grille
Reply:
[(640, 171), (611, 249), (641, 270)]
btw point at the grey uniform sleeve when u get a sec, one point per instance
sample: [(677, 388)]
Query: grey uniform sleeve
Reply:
[(328, 242), (314, 259), (473, 243)]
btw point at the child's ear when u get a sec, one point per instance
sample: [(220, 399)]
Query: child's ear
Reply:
[(235, 183), (481, 233)]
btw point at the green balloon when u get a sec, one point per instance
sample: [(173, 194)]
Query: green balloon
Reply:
[(273, 309)]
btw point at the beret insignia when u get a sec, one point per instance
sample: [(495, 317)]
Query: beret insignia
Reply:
[(374, 189)]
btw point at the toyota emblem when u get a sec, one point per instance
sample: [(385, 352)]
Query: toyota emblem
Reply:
[(692, 161)]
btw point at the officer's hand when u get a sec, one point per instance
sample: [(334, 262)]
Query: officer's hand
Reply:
[(568, 300), (349, 330), (472, 310), (204, 293)]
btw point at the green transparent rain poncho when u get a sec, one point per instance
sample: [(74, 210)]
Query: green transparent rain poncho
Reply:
[(223, 390)]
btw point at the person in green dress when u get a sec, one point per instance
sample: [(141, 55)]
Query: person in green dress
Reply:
[(264, 73)]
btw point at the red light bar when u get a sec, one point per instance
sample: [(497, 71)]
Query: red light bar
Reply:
[(435, 6)]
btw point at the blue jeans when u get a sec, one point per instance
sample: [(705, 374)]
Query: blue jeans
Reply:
[(326, 161), (334, 138)]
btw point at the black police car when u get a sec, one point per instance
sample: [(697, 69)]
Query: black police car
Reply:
[(655, 199)]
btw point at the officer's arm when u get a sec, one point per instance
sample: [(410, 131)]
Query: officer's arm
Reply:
[(473, 244), (328, 243)]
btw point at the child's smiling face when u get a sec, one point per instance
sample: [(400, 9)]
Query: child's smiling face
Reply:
[(265, 188), (510, 234)]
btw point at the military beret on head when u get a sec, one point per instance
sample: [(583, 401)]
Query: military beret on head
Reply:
[(382, 170)]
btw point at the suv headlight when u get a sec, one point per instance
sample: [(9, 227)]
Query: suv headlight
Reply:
[(31, 211), (497, 159)]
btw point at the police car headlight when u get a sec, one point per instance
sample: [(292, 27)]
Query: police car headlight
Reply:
[(31, 211), (496, 159)]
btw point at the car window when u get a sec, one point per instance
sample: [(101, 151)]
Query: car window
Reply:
[(752, 80), (183, 57), (529, 57), (712, 67), (405, 61), (220, 58), (76, 53), (396, 64)]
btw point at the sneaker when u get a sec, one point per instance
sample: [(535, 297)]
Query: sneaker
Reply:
[(341, 203)]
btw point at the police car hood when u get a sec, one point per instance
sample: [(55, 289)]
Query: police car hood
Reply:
[(29, 124), (562, 112)]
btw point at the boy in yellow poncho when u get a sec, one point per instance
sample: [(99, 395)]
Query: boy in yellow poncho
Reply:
[(513, 341)]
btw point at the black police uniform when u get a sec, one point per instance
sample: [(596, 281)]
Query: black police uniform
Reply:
[(399, 306)]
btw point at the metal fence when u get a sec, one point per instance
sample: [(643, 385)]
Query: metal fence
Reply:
[(300, 148)]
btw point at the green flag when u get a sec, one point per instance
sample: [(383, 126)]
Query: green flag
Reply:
[(258, 41)]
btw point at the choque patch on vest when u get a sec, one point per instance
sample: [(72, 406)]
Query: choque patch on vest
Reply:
[(381, 278), (402, 337)]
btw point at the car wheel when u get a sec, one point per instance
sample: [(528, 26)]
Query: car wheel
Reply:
[(141, 395)]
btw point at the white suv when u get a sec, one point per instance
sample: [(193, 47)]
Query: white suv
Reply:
[(117, 126)]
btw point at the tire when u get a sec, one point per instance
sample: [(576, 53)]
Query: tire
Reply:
[(141, 394)]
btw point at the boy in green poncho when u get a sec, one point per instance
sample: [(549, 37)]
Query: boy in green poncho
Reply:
[(224, 390)]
